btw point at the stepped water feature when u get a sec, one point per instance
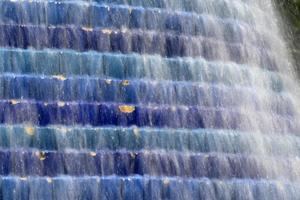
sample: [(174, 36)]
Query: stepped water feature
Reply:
[(146, 99)]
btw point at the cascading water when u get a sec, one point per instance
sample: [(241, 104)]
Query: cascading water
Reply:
[(146, 99)]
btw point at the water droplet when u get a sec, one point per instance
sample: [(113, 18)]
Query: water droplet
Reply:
[(136, 131), (108, 81), (60, 77), (173, 108), (133, 155), (93, 153), (155, 108), (126, 109), (166, 181), (49, 180), (30, 130), (124, 29), (106, 31), (62, 130), (125, 83), (61, 104), (88, 29)]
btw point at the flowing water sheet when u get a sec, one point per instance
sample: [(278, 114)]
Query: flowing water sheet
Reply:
[(146, 99)]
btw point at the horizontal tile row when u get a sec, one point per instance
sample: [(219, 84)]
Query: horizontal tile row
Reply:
[(129, 41), (134, 66), (154, 163), (101, 114), (234, 10), (134, 138), (53, 13), (61, 88), (148, 188)]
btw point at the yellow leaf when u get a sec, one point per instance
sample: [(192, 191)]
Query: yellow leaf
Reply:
[(41, 155), (125, 83), (14, 102), (126, 109), (29, 130)]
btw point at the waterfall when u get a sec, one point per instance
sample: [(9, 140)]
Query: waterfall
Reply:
[(146, 99)]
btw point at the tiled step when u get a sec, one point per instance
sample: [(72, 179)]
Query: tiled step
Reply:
[(225, 9), (130, 41), (101, 114), (134, 66), (148, 188), (84, 88), (116, 138), (116, 16), (154, 163)]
